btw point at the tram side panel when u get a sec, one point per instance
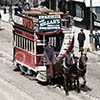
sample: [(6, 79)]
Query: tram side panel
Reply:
[(24, 58), (24, 51)]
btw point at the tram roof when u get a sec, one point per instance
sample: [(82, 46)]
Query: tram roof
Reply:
[(95, 3)]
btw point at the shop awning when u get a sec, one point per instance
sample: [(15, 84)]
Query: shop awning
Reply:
[(95, 3), (76, 0)]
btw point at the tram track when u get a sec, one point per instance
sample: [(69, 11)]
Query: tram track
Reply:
[(72, 95), (9, 85)]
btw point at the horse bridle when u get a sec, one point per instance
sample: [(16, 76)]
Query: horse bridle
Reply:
[(80, 64)]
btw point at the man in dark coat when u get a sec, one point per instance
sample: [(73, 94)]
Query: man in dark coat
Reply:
[(0, 21), (49, 57), (81, 39), (97, 41)]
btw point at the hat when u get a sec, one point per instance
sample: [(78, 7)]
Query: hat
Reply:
[(49, 42), (81, 29)]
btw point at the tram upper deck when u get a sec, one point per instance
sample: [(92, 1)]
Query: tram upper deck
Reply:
[(33, 16), (45, 25)]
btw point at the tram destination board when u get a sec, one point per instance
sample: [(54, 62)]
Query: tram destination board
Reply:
[(49, 23), (24, 22)]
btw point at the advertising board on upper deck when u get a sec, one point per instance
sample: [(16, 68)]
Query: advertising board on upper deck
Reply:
[(49, 23), (24, 22)]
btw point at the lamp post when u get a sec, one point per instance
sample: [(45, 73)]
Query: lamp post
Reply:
[(49, 4), (91, 23), (10, 11)]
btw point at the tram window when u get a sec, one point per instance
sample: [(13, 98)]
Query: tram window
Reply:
[(32, 46), (16, 40), (14, 37), (23, 42), (20, 42), (28, 45), (40, 49)]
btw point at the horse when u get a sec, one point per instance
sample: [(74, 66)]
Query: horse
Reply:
[(70, 64), (78, 69), (82, 67), (61, 72)]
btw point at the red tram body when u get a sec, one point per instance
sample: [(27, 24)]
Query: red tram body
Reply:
[(29, 41)]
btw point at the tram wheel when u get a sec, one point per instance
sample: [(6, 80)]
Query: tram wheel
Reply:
[(22, 73), (16, 67)]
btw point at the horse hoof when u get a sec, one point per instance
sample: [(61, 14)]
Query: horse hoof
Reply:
[(83, 85), (22, 73), (78, 91), (67, 93)]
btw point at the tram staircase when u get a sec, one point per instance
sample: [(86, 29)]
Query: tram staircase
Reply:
[(68, 37)]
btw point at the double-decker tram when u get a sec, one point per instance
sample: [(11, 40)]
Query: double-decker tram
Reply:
[(32, 30)]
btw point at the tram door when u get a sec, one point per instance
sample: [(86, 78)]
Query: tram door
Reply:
[(56, 41)]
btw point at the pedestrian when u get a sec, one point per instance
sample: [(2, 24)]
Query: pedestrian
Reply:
[(0, 21), (49, 54), (81, 39), (97, 39), (0, 16), (67, 16), (4, 10)]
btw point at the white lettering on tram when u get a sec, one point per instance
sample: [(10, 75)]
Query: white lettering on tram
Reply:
[(18, 20), (49, 16), (49, 22), (49, 27)]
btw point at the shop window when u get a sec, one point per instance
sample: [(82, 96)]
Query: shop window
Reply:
[(79, 11), (97, 11)]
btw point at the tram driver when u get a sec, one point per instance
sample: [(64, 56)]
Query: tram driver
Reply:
[(49, 54)]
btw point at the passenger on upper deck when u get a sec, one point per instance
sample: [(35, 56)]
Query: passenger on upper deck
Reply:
[(27, 7), (18, 9), (67, 16)]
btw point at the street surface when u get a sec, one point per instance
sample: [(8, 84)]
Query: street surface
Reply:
[(14, 86)]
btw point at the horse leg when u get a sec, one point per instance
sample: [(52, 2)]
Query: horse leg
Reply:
[(78, 85), (70, 81), (65, 84), (84, 78), (74, 83)]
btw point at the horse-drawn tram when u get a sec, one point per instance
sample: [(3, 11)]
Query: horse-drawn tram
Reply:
[(32, 30)]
